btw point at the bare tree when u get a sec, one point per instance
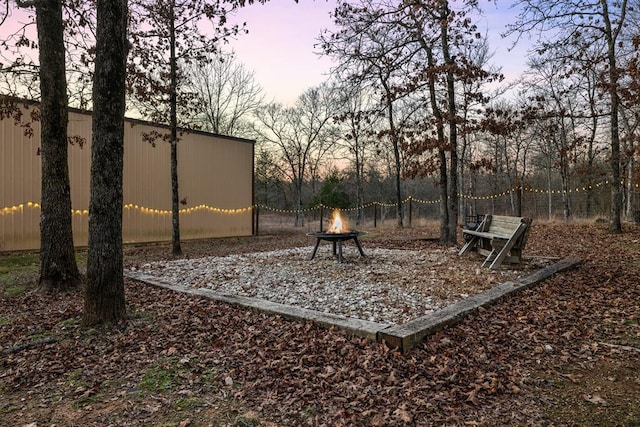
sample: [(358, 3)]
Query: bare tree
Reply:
[(630, 123), (472, 98), (371, 50), (168, 36), (555, 106), (302, 134), (446, 40), (358, 126), (20, 57), (571, 23), (228, 94), (507, 143)]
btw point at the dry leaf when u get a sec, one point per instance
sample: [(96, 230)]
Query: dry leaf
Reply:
[(401, 414), (574, 378), (471, 397), (595, 399), (294, 373)]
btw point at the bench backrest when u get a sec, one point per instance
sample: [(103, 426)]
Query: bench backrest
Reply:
[(503, 226)]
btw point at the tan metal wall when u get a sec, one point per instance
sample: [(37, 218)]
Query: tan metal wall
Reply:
[(215, 176)]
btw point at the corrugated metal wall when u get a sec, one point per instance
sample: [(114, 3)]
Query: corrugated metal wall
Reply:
[(215, 176)]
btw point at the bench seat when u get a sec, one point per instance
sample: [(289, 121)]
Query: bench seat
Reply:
[(486, 234)]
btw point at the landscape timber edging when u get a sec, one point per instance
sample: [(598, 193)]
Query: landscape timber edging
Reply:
[(352, 325), (404, 336), (407, 335)]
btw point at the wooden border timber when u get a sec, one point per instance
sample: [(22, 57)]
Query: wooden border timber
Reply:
[(363, 328), (404, 336)]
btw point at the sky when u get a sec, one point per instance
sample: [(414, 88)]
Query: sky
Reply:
[(279, 47)]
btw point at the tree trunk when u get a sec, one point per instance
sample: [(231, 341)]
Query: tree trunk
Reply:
[(398, 179), (299, 220), (444, 208), (566, 200), (175, 195), (615, 222), (454, 201), (58, 268), (105, 299), (396, 154), (359, 182), (631, 185), (549, 193)]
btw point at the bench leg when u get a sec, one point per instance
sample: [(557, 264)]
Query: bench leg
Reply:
[(469, 245), (504, 251), (490, 258), (500, 256)]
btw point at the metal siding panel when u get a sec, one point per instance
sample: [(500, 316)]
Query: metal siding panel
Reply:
[(213, 171)]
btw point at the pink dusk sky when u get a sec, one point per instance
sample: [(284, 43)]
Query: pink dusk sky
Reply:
[(280, 45)]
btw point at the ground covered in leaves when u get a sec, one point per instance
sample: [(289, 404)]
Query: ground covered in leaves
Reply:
[(566, 352), (388, 286)]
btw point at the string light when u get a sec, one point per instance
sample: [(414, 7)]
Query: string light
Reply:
[(130, 206), (10, 210)]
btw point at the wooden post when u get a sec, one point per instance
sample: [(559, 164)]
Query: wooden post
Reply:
[(256, 223), (519, 190), (375, 214), (321, 215)]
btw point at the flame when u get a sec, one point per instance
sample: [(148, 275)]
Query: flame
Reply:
[(336, 223)]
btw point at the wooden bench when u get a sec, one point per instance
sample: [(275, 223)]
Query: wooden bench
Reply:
[(499, 238)]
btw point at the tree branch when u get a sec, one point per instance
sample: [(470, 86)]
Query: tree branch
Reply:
[(27, 3)]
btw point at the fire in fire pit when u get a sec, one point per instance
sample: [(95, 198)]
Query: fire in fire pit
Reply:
[(336, 234), (336, 223)]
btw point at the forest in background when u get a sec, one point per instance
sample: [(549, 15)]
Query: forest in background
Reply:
[(416, 105)]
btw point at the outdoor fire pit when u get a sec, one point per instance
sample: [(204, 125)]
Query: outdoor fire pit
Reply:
[(336, 235)]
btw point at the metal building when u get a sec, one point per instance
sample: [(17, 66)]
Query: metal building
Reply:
[(215, 175)]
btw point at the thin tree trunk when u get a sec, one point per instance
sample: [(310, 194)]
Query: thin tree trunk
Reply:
[(105, 299), (359, 180), (398, 178), (615, 222), (630, 188), (58, 268), (396, 155), (549, 198), (299, 215), (175, 195), (444, 209), (454, 202)]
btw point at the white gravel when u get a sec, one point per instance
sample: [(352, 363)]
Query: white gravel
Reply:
[(388, 285)]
